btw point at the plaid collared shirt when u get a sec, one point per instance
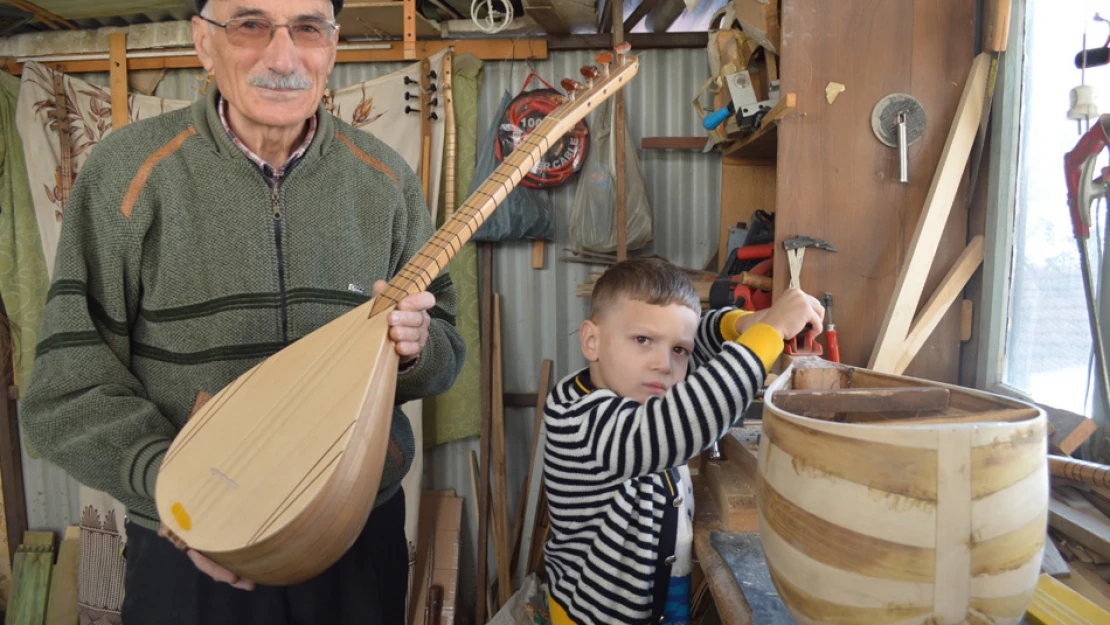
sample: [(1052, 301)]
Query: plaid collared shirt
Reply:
[(274, 175)]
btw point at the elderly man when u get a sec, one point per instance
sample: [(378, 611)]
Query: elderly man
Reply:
[(199, 242)]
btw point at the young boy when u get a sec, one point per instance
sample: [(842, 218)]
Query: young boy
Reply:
[(619, 434)]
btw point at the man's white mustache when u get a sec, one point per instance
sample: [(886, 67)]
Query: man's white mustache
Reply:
[(281, 81)]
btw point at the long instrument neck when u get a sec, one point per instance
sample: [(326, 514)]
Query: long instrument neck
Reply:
[(419, 272)]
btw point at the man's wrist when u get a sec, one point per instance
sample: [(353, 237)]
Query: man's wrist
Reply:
[(405, 367)]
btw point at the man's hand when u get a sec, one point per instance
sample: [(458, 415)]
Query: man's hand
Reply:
[(792, 311), (408, 323), (217, 572)]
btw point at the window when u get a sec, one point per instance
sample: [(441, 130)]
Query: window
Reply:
[(1048, 338)]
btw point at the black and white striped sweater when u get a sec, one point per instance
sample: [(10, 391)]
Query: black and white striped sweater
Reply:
[(609, 479)]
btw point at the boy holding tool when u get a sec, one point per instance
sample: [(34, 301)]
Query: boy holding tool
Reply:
[(619, 434)]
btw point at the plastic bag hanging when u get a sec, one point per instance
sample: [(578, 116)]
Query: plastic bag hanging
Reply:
[(525, 213), (593, 214)]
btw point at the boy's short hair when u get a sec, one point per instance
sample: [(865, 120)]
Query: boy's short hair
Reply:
[(650, 280)]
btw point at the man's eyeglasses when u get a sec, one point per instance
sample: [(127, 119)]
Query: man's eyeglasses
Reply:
[(257, 32)]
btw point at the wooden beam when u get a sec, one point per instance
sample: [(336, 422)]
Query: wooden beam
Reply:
[(410, 30), (485, 315), (673, 143), (11, 462), (862, 400), (1070, 430), (938, 305), (46, 17), (639, 41), (930, 226), (186, 58), (1075, 517), (664, 14), (618, 141), (547, 16), (638, 14), (118, 67)]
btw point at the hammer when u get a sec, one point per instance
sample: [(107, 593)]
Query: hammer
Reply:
[(795, 254)]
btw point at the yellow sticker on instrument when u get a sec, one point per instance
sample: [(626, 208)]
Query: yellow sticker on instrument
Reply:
[(182, 517)]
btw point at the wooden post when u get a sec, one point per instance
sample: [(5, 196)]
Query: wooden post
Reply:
[(11, 463), (618, 139), (410, 30), (117, 64), (425, 129), (485, 302)]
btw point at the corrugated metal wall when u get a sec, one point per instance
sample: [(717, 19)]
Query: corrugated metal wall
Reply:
[(539, 309)]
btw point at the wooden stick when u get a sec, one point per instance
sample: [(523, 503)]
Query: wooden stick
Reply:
[(862, 400), (486, 330), (452, 133), (65, 143), (53, 21), (118, 60), (945, 295), (487, 604), (11, 463), (911, 281), (501, 486), (537, 254), (994, 416), (425, 126), (410, 29), (522, 508), (618, 140)]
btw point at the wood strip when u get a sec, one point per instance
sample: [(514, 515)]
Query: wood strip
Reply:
[(1005, 607), (1054, 603), (1070, 430), (61, 608), (942, 193), (1085, 581), (1052, 562), (452, 148), (1008, 509), (1007, 462), (953, 571), (410, 29), (891, 468), (862, 400), (11, 463), (501, 485), (841, 548), (485, 49), (942, 299), (853, 506), (485, 315), (1017, 414), (734, 497), (538, 253), (117, 43), (1082, 523), (30, 584), (824, 611), (425, 125), (1011, 550), (537, 429)]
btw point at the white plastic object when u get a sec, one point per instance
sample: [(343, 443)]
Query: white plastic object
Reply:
[(1083, 103)]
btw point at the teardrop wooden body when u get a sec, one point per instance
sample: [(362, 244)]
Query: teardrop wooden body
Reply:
[(274, 491), (275, 476), (941, 521)]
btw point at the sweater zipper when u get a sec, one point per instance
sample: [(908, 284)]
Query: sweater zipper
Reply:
[(276, 209)]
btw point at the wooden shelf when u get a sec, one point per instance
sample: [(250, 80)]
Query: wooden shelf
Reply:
[(763, 143)]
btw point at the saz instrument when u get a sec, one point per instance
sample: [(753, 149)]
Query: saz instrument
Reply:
[(275, 476)]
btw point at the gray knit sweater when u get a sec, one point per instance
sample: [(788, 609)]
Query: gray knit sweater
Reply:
[(178, 269)]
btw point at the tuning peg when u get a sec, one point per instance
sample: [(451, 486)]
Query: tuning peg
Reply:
[(622, 49), (409, 109), (604, 59), (432, 74), (589, 72), (570, 86), (411, 96), (409, 81), (433, 116), (434, 102)]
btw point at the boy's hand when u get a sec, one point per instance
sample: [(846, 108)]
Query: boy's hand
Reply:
[(792, 311)]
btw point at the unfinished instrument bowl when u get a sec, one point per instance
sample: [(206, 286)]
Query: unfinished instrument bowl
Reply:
[(888, 499)]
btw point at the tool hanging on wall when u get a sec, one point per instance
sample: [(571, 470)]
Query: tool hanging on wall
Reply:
[(1082, 106), (1083, 190), (898, 121)]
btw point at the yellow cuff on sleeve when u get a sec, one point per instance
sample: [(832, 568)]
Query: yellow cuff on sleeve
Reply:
[(728, 323), (558, 614), (765, 341)]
